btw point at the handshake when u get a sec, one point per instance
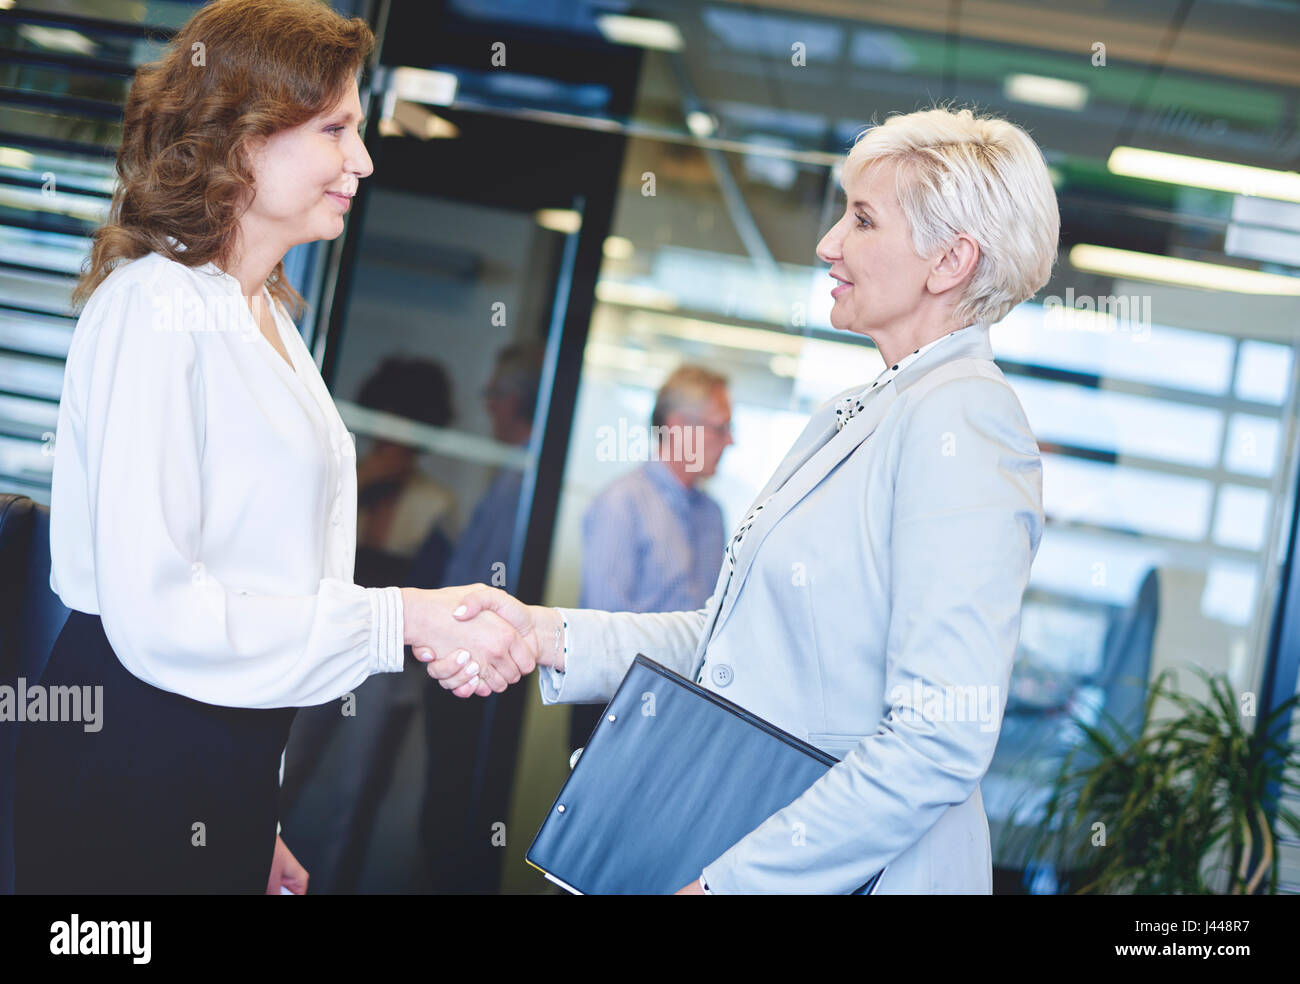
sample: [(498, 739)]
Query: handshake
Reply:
[(479, 640)]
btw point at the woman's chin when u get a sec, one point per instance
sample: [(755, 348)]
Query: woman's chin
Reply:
[(327, 233), (843, 322)]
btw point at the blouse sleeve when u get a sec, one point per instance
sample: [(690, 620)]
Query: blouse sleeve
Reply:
[(169, 620)]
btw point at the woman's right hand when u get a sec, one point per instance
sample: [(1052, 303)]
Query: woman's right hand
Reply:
[(535, 623), (488, 652)]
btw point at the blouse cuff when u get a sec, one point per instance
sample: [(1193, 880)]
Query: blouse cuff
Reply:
[(549, 678), (386, 630)]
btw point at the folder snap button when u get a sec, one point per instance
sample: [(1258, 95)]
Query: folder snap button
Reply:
[(721, 675), (611, 719), (560, 808)]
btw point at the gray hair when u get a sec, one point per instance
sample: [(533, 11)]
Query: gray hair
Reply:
[(686, 388)]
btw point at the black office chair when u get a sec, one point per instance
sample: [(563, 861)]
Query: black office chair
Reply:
[(31, 617)]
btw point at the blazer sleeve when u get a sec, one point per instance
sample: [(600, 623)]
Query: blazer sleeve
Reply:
[(169, 619), (966, 525), (600, 646)]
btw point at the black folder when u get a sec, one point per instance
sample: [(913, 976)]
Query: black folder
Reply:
[(672, 777)]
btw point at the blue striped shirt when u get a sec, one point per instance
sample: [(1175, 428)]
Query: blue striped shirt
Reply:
[(650, 544)]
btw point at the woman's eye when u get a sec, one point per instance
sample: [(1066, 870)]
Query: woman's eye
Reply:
[(863, 221), (338, 128)]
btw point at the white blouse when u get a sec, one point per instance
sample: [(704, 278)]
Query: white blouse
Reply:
[(204, 498)]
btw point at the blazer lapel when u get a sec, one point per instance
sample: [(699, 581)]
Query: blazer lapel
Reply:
[(819, 449), (790, 484)]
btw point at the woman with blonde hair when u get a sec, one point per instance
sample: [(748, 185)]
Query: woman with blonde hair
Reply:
[(870, 601), (203, 507)]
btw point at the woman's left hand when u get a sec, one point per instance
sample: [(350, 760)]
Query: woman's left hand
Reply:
[(691, 889), (286, 871)]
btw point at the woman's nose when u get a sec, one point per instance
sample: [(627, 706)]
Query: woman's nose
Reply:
[(828, 250), (360, 162)]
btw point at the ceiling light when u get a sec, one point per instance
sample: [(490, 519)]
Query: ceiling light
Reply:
[(564, 220), (634, 295), (411, 119), (1043, 90), (1173, 270), (618, 248), (701, 124), (641, 32), (1197, 172), (57, 39), (421, 85), (729, 336), (13, 157)]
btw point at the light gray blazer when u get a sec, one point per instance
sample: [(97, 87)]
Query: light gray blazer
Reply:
[(874, 610)]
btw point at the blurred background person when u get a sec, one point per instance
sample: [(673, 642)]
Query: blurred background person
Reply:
[(511, 400), (404, 514), (404, 524), (652, 539)]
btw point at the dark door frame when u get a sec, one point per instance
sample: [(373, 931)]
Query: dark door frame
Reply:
[(582, 173)]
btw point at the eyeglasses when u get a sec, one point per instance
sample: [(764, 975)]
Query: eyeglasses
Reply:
[(722, 430)]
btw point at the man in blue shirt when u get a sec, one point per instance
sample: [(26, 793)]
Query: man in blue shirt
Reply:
[(652, 540)]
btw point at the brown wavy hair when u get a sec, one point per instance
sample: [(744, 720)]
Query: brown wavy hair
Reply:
[(238, 70)]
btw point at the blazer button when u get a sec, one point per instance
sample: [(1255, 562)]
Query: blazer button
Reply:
[(720, 674)]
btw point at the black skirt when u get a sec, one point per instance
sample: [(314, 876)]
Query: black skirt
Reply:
[(169, 796)]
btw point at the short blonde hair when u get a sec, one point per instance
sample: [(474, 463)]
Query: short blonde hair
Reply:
[(958, 172)]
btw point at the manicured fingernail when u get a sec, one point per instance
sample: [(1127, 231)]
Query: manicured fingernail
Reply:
[(473, 683), (461, 657), (424, 655), (460, 611), (472, 670)]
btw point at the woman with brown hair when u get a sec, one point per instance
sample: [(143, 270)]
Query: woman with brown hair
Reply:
[(203, 506)]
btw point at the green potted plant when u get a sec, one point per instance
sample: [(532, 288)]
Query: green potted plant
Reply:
[(1181, 807)]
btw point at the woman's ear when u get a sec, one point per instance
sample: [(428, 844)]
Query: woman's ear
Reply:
[(955, 265), (250, 151)]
